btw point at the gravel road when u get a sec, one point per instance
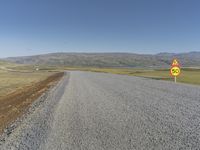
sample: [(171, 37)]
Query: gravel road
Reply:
[(97, 111)]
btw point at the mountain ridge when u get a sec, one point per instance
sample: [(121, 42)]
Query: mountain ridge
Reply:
[(109, 59)]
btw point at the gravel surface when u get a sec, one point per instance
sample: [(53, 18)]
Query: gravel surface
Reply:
[(29, 131), (97, 111)]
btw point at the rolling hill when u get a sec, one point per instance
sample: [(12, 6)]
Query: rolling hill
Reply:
[(191, 59)]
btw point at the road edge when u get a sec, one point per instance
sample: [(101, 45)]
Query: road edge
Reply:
[(28, 130)]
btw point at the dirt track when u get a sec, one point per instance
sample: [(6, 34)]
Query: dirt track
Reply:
[(15, 104)]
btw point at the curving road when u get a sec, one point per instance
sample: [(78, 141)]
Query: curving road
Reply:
[(100, 111)]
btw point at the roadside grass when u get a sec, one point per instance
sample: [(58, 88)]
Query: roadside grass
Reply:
[(26, 89), (19, 86), (13, 80), (188, 75)]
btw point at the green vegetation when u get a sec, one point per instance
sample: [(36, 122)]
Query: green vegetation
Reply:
[(188, 75), (14, 76)]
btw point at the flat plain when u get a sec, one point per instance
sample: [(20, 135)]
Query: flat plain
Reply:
[(188, 75)]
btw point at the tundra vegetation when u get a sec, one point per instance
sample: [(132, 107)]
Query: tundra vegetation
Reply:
[(22, 80), (19, 88)]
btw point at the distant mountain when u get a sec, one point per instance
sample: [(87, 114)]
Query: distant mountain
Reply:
[(191, 59), (109, 59)]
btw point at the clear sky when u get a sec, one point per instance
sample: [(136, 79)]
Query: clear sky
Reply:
[(30, 27)]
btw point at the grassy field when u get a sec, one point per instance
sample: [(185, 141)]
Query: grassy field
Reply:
[(188, 75), (19, 87), (13, 80)]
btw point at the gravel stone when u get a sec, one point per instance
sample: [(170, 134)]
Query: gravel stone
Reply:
[(98, 111)]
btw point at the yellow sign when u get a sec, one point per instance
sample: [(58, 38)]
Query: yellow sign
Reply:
[(175, 71), (175, 62)]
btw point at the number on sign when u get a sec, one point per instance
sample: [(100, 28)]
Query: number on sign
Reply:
[(175, 71)]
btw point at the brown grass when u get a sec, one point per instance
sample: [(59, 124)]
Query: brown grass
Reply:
[(14, 104), (11, 81)]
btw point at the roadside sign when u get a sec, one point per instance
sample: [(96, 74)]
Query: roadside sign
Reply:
[(175, 62), (175, 69)]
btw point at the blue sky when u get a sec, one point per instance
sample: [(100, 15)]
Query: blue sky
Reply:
[(29, 27)]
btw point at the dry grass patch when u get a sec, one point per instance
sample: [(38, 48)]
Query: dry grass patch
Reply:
[(11, 81), (14, 104)]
